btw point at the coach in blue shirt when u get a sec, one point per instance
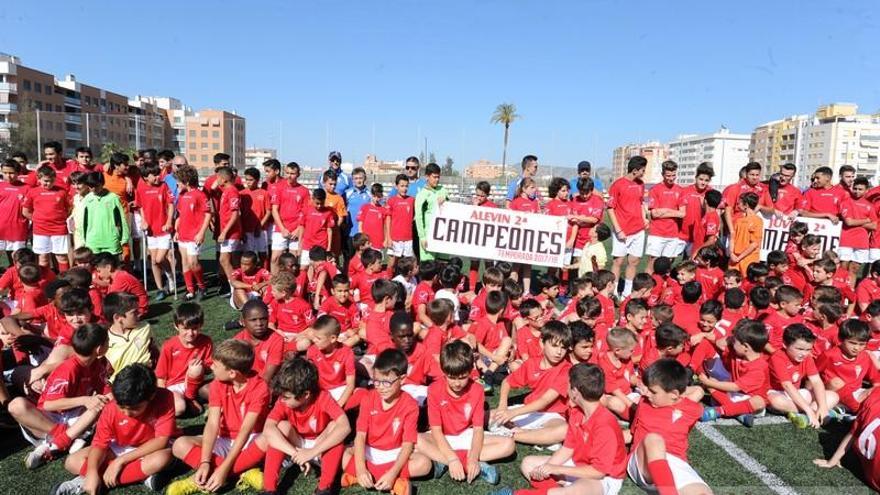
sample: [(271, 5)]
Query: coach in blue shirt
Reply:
[(356, 197), (411, 169), (343, 180), (585, 171)]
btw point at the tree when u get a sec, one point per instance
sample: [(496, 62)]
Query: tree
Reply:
[(447, 169), (23, 137), (432, 158), (109, 148), (505, 114)]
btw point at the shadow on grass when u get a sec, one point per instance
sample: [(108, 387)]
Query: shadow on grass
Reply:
[(830, 438)]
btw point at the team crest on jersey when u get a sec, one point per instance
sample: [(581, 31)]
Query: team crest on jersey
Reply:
[(858, 370), (395, 425), (795, 377), (264, 355), (241, 409), (467, 411), (56, 387), (313, 423), (336, 367), (676, 415)]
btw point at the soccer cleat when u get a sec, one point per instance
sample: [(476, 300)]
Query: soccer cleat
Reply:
[(504, 491), (709, 414), (158, 481), (487, 387), (401, 487), (489, 473), (799, 420), (41, 454), (747, 420), (252, 478), (185, 486), (160, 295), (553, 447), (69, 487), (189, 296), (76, 446), (439, 470), (348, 480)]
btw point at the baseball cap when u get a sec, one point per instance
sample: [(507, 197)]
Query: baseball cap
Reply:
[(335, 154), (584, 166)]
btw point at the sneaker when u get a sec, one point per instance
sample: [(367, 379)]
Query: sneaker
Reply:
[(252, 478), (489, 473), (161, 295), (439, 470), (500, 430), (69, 487), (39, 456), (486, 386), (189, 296), (799, 420), (199, 295), (401, 487), (185, 486), (504, 491), (348, 480), (709, 414), (232, 325), (77, 445), (553, 447), (747, 420), (158, 481)]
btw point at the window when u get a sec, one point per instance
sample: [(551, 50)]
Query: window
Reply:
[(48, 90), (59, 127), (38, 87), (204, 134), (215, 134), (192, 145), (204, 158), (192, 133), (26, 85), (57, 108), (215, 146)]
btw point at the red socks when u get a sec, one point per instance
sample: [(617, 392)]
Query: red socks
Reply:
[(133, 472), (190, 281), (272, 469), (662, 476), (331, 463), (249, 457), (192, 389), (199, 276), (194, 457), (59, 439), (730, 408)]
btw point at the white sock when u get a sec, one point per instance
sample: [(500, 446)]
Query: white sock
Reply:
[(627, 287)]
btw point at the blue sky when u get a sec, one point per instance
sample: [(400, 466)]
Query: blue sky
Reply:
[(382, 75)]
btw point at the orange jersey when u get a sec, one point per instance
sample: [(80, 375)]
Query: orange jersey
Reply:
[(748, 229)]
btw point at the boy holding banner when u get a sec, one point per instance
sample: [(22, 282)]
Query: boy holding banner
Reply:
[(428, 201)]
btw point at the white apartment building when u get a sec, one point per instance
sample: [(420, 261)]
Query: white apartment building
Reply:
[(726, 151), (840, 140), (254, 157)]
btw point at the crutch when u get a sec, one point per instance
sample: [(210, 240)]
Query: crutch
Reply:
[(173, 253), (144, 255)]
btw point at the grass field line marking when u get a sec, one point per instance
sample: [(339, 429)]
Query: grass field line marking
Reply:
[(772, 481), (766, 420)]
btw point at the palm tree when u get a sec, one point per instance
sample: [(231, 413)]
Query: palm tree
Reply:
[(505, 113)]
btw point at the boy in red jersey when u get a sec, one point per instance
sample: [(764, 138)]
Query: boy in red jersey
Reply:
[(249, 280), (289, 314), (658, 458), (788, 197), (268, 345), (687, 310), (560, 206), (359, 243), (821, 200), (620, 372), (334, 360), (708, 233), (131, 437), (47, 206), (319, 223), (401, 208), (184, 358), (868, 289), (9, 281), (791, 366), (372, 218), (710, 277), (750, 182), (74, 395), (527, 338), (193, 218), (256, 213), (455, 416), (306, 425), (231, 443), (374, 327), (156, 204), (859, 220), (745, 392), (589, 210), (667, 341), (109, 275), (604, 284), (14, 227), (583, 343), (846, 367), (228, 228), (341, 307), (424, 291), (539, 420), (30, 296), (492, 338), (864, 431), (362, 282), (593, 455), (666, 209), (790, 302), (626, 211), (823, 276), (289, 201), (383, 456)]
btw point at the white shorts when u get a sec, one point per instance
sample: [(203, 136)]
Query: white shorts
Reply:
[(417, 392), (569, 254), (856, 255), (159, 242), (874, 254), (250, 295), (401, 248), (51, 244), (462, 441), (12, 245), (258, 243), (119, 450), (67, 418), (377, 456), (136, 231), (223, 445), (281, 243), (179, 388), (304, 258), (634, 245), (336, 392), (805, 394), (230, 246), (190, 248), (682, 473), (669, 247), (534, 420), (610, 486)]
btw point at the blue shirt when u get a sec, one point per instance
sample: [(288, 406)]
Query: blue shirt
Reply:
[(413, 190), (171, 182), (511, 188), (573, 185), (355, 199), (343, 182)]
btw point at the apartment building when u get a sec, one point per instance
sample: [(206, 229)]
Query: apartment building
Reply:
[(209, 132)]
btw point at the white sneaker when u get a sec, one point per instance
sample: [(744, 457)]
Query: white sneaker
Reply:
[(38, 456), (77, 445), (500, 430), (554, 447), (69, 487)]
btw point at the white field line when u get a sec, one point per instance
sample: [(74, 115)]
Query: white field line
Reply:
[(751, 465)]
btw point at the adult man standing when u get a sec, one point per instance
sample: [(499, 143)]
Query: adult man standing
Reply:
[(585, 171), (693, 197), (846, 174), (529, 169), (666, 209), (355, 197), (821, 200), (52, 152), (411, 169), (751, 183), (788, 198), (428, 201), (343, 180), (626, 211)]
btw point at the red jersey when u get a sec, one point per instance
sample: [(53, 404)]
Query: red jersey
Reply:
[(788, 199), (333, 367), (355, 266), (311, 420), (607, 314), (373, 216), (62, 173), (596, 441), (13, 225), (666, 197), (73, 378), (711, 280), (528, 344), (866, 437), (30, 298), (175, 358), (53, 318), (455, 414), (254, 207), (693, 213), (687, 316), (230, 203), (346, 314), (192, 206), (594, 206), (488, 334), (363, 283), (524, 204), (388, 429), (378, 333), (560, 208), (317, 221), (821, 201), (49, 209), (153, 202), (291, 316), (402, 211), (422, 295), (867, 291), (625, 198), (267, 352), (291, 202), (258, 277), (235, 405), (122, 281), (853, 371), (541, 380), (776, 324), (421, 366), (856, 209), (752, 377), (157, 420), (673, 423), (783, 369), (617, 376), (731, 194)]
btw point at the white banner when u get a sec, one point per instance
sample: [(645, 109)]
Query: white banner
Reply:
[(498, 234), (776, 233)]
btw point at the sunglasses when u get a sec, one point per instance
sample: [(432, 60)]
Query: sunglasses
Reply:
[(412, 168)]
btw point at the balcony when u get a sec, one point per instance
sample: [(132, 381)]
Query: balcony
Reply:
[(8, 107), (73, 135), (11, 88), (73, 118), (8, 125), (75, 102)]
